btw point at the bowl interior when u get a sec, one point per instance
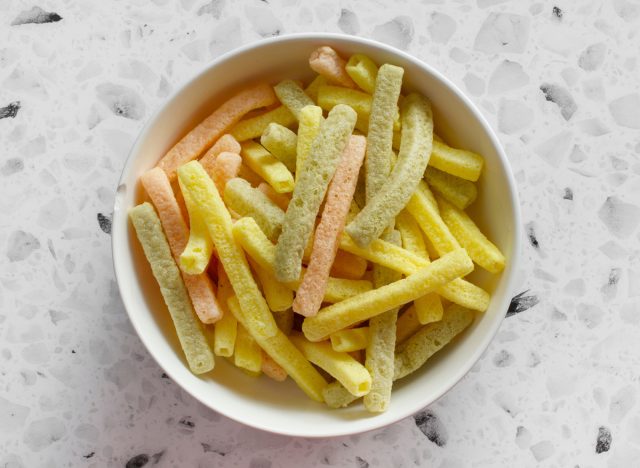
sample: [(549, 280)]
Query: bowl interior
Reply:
[(282, 407)]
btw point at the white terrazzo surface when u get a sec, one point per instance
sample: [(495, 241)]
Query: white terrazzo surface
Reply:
[(559, 386)]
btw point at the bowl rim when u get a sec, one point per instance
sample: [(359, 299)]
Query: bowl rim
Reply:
[(510, 271)]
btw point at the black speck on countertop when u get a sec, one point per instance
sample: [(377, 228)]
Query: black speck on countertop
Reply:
[(568, 194), (361, 463), (603, 442), (138, 461), (520, 303), (105, 223), (89, 455), (36, 16), (557, 12), (431, 426), (10, 110)]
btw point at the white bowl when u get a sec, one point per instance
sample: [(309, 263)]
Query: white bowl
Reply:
[(282, 407)]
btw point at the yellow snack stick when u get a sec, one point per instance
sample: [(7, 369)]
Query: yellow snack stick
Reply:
[(267, 166), (226, 329), (341, 366), (280, 199), (363, 71), (339, 289), (459, 192), (481, 250), (284, 320), (407, 324), (414, 352), (369, 304), (248, 354), (272, 369), (389, 199), (254, 127), (380, 132), (326, 62), (330, 96), (278, 296), (310, 119), (336, 396), (348, 266), (312, 89), (194, 143), (156, 249), (248, 201), (429, 308), (204, 193), (247, 174), (293, 96), (195, 257), (424, 208), (313, 180), (350, 339), (282, 143), (461, 163)]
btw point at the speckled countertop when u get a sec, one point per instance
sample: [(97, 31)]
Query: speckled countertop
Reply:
[(559, 386)]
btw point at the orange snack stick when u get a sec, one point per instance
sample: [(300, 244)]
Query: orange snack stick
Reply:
[(280, 199), (199, 287), (225, 144), (326, 240), (272, 369), (225, 167), (326, 62), (194, 143)]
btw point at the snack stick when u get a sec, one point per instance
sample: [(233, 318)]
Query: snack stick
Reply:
[(459, 192), (312, 89), (415, 351), (350, 339), (255, 126), (407, 324), (415, 148), (330, 96), (203, 192), (157, 251), (424, 208), (326, 62), (272, 369), (195, 257), (326, 238), (293, 96), (363, 71), (380, 132), (248, 354), (284, 320), (199, 287), (280, 199), (336, 396), (310, 119), (481, 250), (226, 166), (429, 308), (282, 143), (382, 341), (279, 297), (461, 163), (341, 366), (313, 180), (247, 174), (225, 144), (369, 304), (194, 143), (226, 329), (339, 289), (248, 201), (348, 266), (267, 166)]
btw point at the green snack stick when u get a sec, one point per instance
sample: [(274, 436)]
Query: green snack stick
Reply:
[(282, 143), (459, 192), (336, 396), (293, 96), (156, 249), (310, 189)]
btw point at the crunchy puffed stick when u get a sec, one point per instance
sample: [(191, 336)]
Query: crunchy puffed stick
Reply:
[(326, 62), (225, 144), (248, 201), (284, 320), (200, 288), (247, 354), (226, 166), (278, 296), (293, 96), (350, 339), (267, 166), (415, 148), (255, 126), (380, 135), (341, 366), (204, 193), (282, 143), (459, 192), (369, 304), (312, 89), (326, 239), (310, 190), (461, 163), (280, 199), (194, 143), (481, 250), (309, 125), (195, 257), (330, 96), (363, 71), (272, 369), (339, 289), (407, 324), (156, 249), (414, 352), (336, 396), (424, 208), (226, 329), (247, 174), (348, 266)]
